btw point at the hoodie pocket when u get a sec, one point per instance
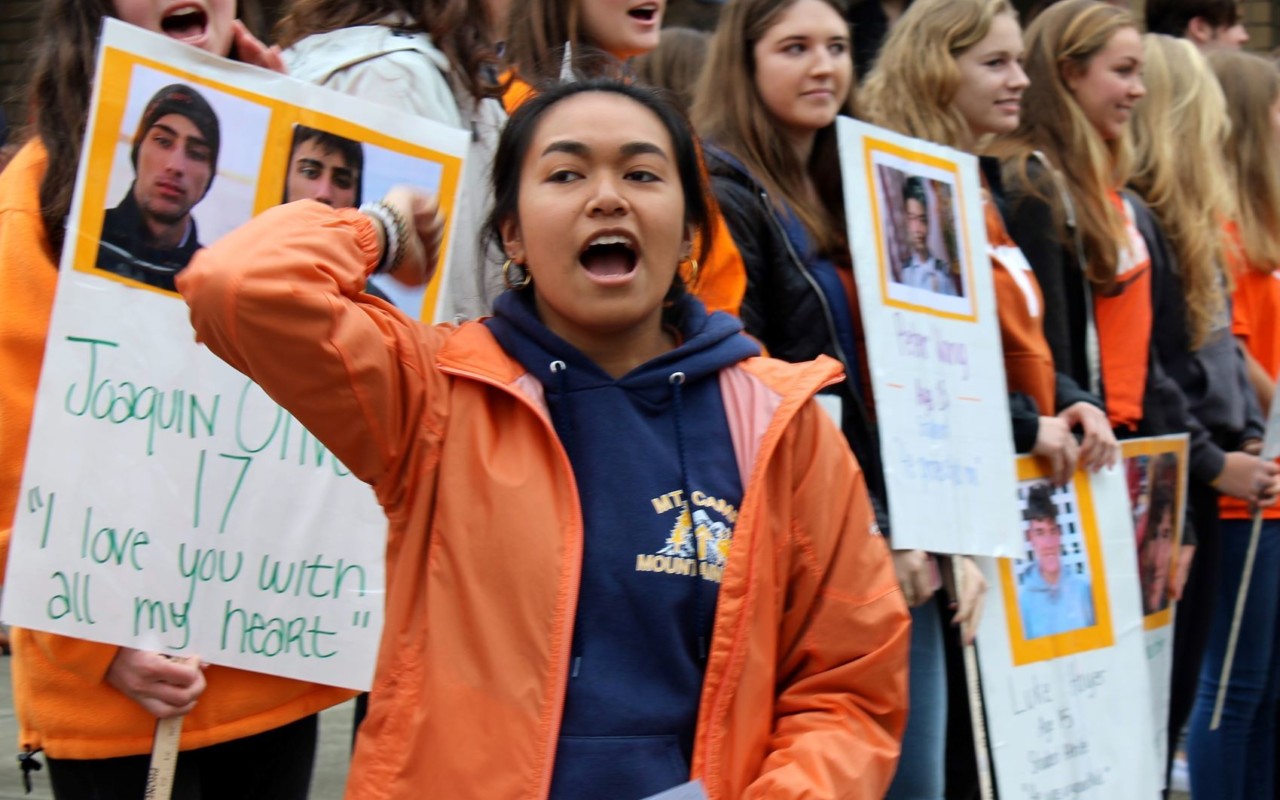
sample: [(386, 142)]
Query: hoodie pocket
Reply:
[(617, 767)]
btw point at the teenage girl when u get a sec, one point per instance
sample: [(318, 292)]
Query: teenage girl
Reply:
[(93, 707), (1180, 137), (564, 622), (1236, 760)]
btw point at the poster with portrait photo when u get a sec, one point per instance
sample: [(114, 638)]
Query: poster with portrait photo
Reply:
[(1156, 475), (170, 504), (1060, 647), (927, 302)]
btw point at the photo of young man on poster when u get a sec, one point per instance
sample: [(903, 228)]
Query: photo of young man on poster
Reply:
[(150, 236)]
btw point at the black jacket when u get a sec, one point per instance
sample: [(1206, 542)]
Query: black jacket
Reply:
[(785, 308), (123, 248)]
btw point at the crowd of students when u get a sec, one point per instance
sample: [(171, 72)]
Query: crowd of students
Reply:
[(624, 255)]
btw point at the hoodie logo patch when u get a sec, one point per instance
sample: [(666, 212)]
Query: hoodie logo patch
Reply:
[(696, 544)]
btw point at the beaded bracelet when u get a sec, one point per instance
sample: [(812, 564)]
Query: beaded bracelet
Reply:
[(395, 231)]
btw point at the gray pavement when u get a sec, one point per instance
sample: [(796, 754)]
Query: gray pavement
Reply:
[(327, 783)]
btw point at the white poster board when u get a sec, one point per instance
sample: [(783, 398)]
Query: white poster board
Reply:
[(925, 291), (166, 502), (1062, 650)]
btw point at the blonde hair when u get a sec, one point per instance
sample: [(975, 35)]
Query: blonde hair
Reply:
[(1066, 37), (1251, 86), (729, 111), (918, 61), (1180, 130)]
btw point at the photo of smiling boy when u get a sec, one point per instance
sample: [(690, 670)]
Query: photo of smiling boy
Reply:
[(150, 236), (1052, 597), (324, 167)]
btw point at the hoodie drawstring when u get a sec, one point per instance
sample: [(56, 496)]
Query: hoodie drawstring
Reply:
[(561, 371), (677, 401)]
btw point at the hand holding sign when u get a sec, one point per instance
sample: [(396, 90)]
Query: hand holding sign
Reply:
[(164, 686)]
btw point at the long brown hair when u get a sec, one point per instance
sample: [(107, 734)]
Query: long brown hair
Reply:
[(1251, 86), (66, 52), (537, 34), (460, 28), (1065, 38), (918, 61), (729, 111), (1180, 131)]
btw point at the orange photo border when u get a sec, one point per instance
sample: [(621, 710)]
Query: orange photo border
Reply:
[(1180, 448), (1094, 637), (871, 146), (117, 83)]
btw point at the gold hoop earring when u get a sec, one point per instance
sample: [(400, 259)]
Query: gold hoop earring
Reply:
[(506, 276), (694, 269)]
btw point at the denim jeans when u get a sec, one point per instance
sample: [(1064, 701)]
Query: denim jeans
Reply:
[(922, 768), (1235, 761)]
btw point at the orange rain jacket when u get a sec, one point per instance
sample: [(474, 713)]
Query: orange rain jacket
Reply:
[(805, 687)]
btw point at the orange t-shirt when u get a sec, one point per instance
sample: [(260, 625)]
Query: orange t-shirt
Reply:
[(1124, 327), (1255, 321), (1028, 362)]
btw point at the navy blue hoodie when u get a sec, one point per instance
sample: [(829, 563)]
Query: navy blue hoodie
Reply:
[(639, 445)]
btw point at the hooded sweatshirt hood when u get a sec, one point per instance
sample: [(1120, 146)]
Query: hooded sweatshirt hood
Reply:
[(659, 487)]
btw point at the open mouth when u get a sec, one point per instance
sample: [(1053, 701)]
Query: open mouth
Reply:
[(188, 22), (645, 13), (609, 257)]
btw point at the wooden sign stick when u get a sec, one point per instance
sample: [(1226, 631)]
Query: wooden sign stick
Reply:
[(164, 759), (977, 719), (1241, 597)]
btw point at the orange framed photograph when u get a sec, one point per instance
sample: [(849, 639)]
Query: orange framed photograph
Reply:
[(1055, 596)]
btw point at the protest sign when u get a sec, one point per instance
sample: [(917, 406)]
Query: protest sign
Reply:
[(1156, 474), (925, 292), (167, 503), (1061, 647)]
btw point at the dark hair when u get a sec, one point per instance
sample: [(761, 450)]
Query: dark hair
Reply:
[(1040, 505), (913, 189), (184, 101), (461, 29), (66, 52), (513, 146), (1161, 504), (352, 152), (1171, 17)]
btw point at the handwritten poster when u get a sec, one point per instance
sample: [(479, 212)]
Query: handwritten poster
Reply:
[(1062, 649), (925, 291), (167, 503)]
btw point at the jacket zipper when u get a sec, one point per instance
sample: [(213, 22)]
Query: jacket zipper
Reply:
[(544, 790), (826, 312)]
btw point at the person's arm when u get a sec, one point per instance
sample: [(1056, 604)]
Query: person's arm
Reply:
[(1033, 227), (842, 649), (1024, 416), (280, 300), (1263, 386)]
